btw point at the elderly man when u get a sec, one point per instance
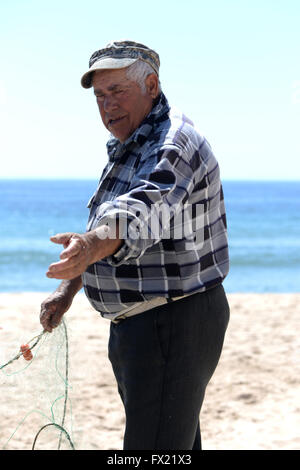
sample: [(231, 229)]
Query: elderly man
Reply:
[(154, 255)]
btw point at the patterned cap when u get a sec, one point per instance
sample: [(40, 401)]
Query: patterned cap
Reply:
[(118, 55)]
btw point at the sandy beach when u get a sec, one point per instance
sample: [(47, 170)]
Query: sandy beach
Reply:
[(252, 401)]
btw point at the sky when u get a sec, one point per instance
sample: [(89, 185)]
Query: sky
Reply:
[(232, 66)]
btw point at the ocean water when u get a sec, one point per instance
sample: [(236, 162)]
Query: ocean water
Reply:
[(264, 236), (263, 228)]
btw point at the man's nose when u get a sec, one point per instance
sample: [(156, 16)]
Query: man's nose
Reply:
[(109, 103)]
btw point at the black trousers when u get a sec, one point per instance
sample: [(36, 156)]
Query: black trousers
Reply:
[(163, 360)]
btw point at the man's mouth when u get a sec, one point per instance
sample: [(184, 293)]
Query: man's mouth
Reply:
[(112, 122)]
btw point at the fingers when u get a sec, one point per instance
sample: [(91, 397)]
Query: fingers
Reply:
[(47, 319), (62, 238), (50, 324), (62, 265), (50, 318), (72, 259), (67, 269), (75, 246)]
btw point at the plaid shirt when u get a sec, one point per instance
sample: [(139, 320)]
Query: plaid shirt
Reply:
[(164, 163)]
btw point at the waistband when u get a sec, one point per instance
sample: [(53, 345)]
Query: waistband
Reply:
[(158, 301)]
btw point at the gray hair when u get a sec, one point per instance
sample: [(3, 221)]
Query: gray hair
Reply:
[(138, 72)]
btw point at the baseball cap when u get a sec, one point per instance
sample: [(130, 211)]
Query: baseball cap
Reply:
[(118, 55)]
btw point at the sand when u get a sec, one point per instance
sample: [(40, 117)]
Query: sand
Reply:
[(251, 403)]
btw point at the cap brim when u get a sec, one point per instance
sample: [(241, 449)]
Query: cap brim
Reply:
[(104, 64)]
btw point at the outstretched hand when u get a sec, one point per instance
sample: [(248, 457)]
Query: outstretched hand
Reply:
[(80, 251), (74, 259)]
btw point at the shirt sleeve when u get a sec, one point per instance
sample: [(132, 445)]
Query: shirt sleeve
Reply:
[(157, 194)]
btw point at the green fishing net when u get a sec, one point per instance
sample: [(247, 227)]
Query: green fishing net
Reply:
[(35, 398)]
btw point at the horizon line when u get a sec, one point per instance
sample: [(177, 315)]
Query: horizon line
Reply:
[(90, 178)]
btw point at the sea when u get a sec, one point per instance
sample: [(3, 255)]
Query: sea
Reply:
[(263, 228)]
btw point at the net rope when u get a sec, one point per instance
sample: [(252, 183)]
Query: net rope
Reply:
[(35, 343)]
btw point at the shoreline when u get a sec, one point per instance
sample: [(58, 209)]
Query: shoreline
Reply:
[(251, 403)]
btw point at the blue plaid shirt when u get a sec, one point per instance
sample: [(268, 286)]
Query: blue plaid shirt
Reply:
[(165, 163)]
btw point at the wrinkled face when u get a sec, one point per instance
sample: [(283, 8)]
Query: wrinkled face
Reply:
[(121, 103)]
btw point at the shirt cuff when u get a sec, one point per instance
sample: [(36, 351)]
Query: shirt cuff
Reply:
[(126, 250), (120, 256)]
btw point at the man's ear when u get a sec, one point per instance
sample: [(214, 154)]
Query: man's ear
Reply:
[(152, 85)]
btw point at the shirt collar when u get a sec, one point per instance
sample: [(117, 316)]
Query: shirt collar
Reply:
[(160, 108)]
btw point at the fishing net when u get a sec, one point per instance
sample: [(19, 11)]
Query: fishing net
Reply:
[(35, 401)]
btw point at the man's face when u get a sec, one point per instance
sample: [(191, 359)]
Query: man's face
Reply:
[(121, 103)]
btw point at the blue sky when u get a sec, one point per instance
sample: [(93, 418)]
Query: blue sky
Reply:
[(232, 66)]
